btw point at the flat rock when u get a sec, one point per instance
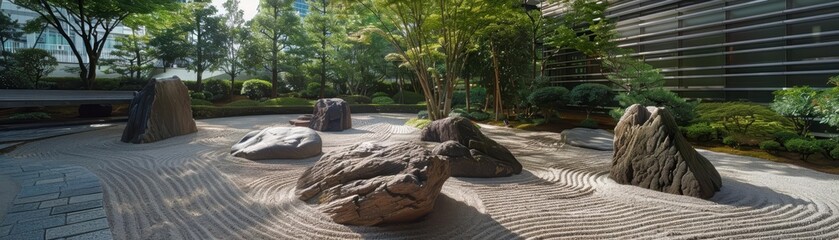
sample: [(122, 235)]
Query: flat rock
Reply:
[(371, 183), (161, 110), (486, 157), (279, 143), (331, 114), (650, 152), (597, 139)]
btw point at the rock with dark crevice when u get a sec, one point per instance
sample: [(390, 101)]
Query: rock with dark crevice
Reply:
[(370, 183), (650, 152), (161, 110), (279, 143), (485, 158), (331, 114)]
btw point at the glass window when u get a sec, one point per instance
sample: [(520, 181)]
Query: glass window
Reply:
[(756, 9), (802, 3)]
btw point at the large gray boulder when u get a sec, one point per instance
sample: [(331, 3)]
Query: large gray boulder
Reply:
[(485, 158), (369, 183), (650, 152), (279, 143), (161, 110), (331, 114)]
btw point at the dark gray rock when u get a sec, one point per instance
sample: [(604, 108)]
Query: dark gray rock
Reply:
[(279, 143), (650, 152), (331, 114), (161, 110), (486, 157), (597, 139), (369, 183)]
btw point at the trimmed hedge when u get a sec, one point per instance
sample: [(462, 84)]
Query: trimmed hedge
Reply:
[(244, 103), (408, 97), (288, 101), (201, 102), (256, 89), (770, 146), (219, 88), (383, 100), (589, 123), (356, 99), (803, 147)]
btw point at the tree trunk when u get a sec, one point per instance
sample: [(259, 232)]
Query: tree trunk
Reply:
[(468, 94), (495, 66)]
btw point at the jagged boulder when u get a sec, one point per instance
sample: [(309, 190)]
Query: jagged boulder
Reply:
[(279, 143), (370, 183), (161, 110), (331, 114), (650, 152), (485, 158)]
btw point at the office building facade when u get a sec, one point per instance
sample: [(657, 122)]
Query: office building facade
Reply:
[(720, 50)]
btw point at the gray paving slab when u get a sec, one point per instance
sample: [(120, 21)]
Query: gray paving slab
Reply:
[(77, 228), (55, 202)]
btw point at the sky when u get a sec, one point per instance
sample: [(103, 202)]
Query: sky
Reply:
[(248, 6)]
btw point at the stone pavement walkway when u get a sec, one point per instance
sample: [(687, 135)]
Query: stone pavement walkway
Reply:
[(55, 202)]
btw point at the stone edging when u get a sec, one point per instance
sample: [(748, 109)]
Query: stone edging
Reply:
[(55, 202)]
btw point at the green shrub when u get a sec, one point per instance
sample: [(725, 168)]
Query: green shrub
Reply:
[(244, 103), (477, 97), (588, 123), (29, 116), (288, 101), (784, 136), (208, 95), (803, 147), (770, 146), (835, 153), (479, 116), (379, 94), (106, 84), (457, 112), (549, 99), (383, 100), (797, 104), (256, 89), (422, 114), (197, 95), (701, 132), (201, 102), (406, 97), (417, 123), (219, 88), (237, 86), (356, 99), (743, 118), (591, 96), (730, 141), (64, 83), (826, 146)]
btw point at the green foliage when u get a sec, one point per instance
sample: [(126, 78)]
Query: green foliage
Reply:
[(288, 101), (33, 64), (796, 104), (730, 141), (422, 114), (12, 80), (313, 91), (477, 97), (457, 112), (549, 99), (244, 103), (591, 96), (683, 111), (418, 123), (588, 123), (701, 132), (356, 99), (803, 147), (770, 146), (106, 84), (29, 116), (479, 116), (378, 94), (826, 146), (219, 88), (406, 97), (92, 22), (835, 153), (277, 39), (256, 89), (383, 100), (738, 117), (201, 102), (132, 56), (197, 95), (784, 136), (827, 105)]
